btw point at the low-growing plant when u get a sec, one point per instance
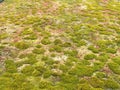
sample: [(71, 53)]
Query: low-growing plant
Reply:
[(28, 70), (10, 66), (45, 41), (111, 84), (90, 56), (96, 82), (22, 45), (39, 51), (114, 67)]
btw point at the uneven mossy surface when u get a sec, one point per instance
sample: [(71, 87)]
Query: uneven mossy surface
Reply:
[(60, 45)]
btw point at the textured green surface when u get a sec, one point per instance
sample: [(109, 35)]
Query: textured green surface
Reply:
[(60, 45)]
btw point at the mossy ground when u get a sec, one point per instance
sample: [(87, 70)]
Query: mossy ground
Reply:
[(60, 45)]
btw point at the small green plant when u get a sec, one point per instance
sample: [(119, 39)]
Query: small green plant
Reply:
[(39, 51), (96, 82), (22, 45), (10, 66), (111, 84), (45, 41), (57, 42), (114, 67), (28, 70), (90, 56)]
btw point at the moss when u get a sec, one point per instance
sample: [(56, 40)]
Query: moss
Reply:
[(90, 56), (57, 42), (22, 45), (69, 78), (114, 67), (111, 50), (45, 41), (3, 36), (27, 31), (111, 84), (93, 49), (102, 58), (10, 66), (44, 84), (27, 70), (38, 46), (56, 48), (47, 74), (32, 36), (67, 44), (81, 70), (116, 59), (39, 51), (98, 66), (71, 52), (85, 86), (95, 82), (100, 75)]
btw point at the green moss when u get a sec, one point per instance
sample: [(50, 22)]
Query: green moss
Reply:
[(101, 75), (44, 84), (39, 51), (56, 48), (22, 45), (3, 36), (93, 49), (38, 46), (32, 36), (71, 52), (27, 31), (67, 44), (111, 50), (69, 78), (111, 84), (85, 86), (102, 58), (95, 82), (114, 67), (116, 59), (10, 66), (90, 56), (28, 70), (57, 42), (45, 41)]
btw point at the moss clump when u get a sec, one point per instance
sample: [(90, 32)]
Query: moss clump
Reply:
[(32, 36), (100, 75), (56, 48), (10, 66), (93, 49), (3, 36), (111, 50), (103, 57), (67, 44), (44, 84), (114, 67), (22, 45), (71, 52), (90, 56), (85, 86), (39, 51), (57, 42), (69, 78), (96, 83), (111, 84), (28, 70), (116, 59), (38, 46), (45, 41)]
